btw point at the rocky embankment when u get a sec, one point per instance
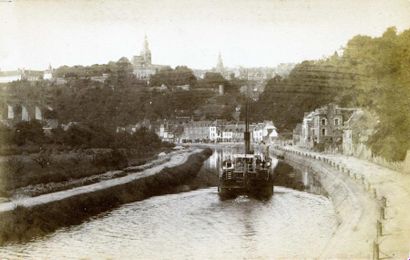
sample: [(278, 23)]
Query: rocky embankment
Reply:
[(369, 200), (22, 219)]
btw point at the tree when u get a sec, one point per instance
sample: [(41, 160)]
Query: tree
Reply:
[(181, 75), (29, 132)]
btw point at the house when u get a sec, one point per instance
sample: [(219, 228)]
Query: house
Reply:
[(216, 130), (357, 130), (132, 128), (215, 133), (306, 139), (297, 134), (166, 133), (48, 73), (323, 128), (196, 131), (264, 132), (233, 132)]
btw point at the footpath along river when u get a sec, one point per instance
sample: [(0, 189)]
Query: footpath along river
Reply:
[(197, 225)]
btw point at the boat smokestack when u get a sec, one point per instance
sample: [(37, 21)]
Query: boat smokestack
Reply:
[(247, 134)]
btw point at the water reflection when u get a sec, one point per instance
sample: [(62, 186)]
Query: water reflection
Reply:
[(285, 175)]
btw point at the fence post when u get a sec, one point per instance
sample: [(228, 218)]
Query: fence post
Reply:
[(382, 213), (384, 201), (379, 228), (375, 251)]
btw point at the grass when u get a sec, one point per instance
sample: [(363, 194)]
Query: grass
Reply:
[(41, 168), (23, 223)]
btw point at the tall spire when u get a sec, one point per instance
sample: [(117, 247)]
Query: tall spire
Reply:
[(146, 53), (219, 64), (146, 45)]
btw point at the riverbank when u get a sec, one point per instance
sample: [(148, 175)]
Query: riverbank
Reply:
[(371, 201), (51, 170), (22, 219)]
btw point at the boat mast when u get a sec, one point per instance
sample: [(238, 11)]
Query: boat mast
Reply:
[(247, 134)]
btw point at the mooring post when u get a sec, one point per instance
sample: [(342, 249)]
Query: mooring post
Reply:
[(379, 228), (375, 251), (384, 201)]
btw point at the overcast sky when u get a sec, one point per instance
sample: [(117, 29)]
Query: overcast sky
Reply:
[(187, 32)]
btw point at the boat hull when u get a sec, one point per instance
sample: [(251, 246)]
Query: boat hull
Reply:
[(254, 187)]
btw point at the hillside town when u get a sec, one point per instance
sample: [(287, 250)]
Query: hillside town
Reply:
[(143, 69), (204, 129)]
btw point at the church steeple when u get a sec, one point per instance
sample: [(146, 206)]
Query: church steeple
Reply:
[(219, 64), (146, 45), (146, 53)]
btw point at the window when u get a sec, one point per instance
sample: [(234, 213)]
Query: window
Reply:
[(336, 121), (323, 131), (323, 121)]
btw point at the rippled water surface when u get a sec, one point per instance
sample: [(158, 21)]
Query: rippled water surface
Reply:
[(196, 225)]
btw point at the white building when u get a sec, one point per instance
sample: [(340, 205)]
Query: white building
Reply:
[(48, 73), (264, 132), (214, 133), (307, 132), (227, 135)]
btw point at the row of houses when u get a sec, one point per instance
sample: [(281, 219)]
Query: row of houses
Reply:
[(23, 74), (334, 128), (224, 131), (206, 131)]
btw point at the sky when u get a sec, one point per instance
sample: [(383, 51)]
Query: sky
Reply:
[(249, 33)]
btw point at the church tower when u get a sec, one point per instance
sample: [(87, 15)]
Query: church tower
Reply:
[(146, 53), (219, 64)]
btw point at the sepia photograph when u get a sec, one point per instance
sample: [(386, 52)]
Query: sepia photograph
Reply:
[(205, 129)]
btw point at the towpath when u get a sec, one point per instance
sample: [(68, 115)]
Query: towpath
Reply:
[(390, 188), (176, 158)]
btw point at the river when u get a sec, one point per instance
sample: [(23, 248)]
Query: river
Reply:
[(196, 225)]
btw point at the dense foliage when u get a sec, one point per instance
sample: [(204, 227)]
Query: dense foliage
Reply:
[(181, 75), (78, 136), (386, 63), (373, 73)]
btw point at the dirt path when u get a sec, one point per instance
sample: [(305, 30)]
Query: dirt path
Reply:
[(176, 159)]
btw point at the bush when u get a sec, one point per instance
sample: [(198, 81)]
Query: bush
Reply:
[(113, 158), (29, 132)]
